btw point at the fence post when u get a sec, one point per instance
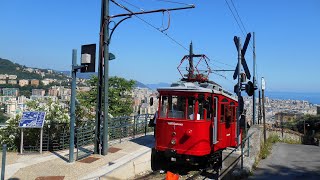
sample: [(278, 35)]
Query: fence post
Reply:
[(3, 166), (134, 126), (248, 146), (145, 124), (241, 154)]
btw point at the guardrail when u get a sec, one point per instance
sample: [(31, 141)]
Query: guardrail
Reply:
[(243, 151)]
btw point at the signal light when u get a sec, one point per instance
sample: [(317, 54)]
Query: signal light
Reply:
[(250, 88)]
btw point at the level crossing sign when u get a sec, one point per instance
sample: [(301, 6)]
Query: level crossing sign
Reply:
[(32, 119)]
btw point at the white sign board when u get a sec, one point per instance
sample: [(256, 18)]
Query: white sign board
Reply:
[(263, 84)]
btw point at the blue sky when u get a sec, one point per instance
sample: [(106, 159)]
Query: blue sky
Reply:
[(42, 34)]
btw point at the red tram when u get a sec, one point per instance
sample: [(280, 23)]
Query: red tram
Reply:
[(195, 121)]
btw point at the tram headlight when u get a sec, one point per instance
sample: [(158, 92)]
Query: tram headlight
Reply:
[(173, 141)]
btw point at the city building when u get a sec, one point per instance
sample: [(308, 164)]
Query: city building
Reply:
[(38, 92), (23, 82), (3, 76), (29, 70), (11, 107), (45, 82), (13, 92), (13, 82), (53, 92), (3, 81), (35, 82), (13, 77)]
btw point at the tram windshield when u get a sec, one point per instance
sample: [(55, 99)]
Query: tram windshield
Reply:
[(183, 107)]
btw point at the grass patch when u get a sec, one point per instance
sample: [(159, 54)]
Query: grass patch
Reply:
[(267, 147)]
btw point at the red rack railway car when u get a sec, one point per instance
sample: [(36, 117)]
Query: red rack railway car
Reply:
[(196, 120)]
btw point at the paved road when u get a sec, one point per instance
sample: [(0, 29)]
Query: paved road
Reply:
[(290, 161)]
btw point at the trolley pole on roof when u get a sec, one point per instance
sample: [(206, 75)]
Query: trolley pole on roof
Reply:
[(191, 68)]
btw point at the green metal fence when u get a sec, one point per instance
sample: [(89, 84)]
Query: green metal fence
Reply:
[(119, 128)]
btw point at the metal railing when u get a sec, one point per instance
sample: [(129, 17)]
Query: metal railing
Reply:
[(243, 151), (119, 129), (84, 136)]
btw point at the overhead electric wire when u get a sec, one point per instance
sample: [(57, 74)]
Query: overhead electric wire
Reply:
[(173, 2), (238, 16), (235, 18), (133, 5), (151, 25), (158, 29)]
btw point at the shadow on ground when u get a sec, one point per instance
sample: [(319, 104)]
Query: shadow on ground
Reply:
[(147, 141), (277, 172)]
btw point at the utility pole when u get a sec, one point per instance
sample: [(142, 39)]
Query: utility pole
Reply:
[(259, 109), (263, 86), (97, 140), (254, 81), (73, 105), (106, 77), (239, 89)]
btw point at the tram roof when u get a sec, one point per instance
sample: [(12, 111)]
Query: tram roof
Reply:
[(211, 87)]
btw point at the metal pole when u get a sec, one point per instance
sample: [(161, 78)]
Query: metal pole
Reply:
[(106, 79), (97, 140), (264, 118), (254, 80), (41, 140), (239, 90), (304, 127), (21, 144), (4, 156), (259, 112), (241, 155), (73, 105)]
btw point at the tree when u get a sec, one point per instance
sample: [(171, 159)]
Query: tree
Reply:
[(120, 100), (55, 113)]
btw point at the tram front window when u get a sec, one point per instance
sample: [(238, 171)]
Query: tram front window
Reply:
[(173, 107)]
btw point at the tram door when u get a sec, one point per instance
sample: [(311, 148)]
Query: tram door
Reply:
[(227, 122)]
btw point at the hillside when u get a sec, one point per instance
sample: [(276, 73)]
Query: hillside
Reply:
[(23, 72)]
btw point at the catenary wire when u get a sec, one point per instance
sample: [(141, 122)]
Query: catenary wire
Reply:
[(235, 18), (151, 25), (135, 6), (171, 38), (238, 16)]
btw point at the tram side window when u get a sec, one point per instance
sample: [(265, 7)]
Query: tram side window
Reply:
[(222, 117), (191, 103), (208, 106), (205, 105), (164, 106)]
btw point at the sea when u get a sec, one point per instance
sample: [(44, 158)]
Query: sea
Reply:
[(313, 98)]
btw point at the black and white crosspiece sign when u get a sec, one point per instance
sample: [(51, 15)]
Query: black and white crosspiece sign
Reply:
[(32, 119)]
